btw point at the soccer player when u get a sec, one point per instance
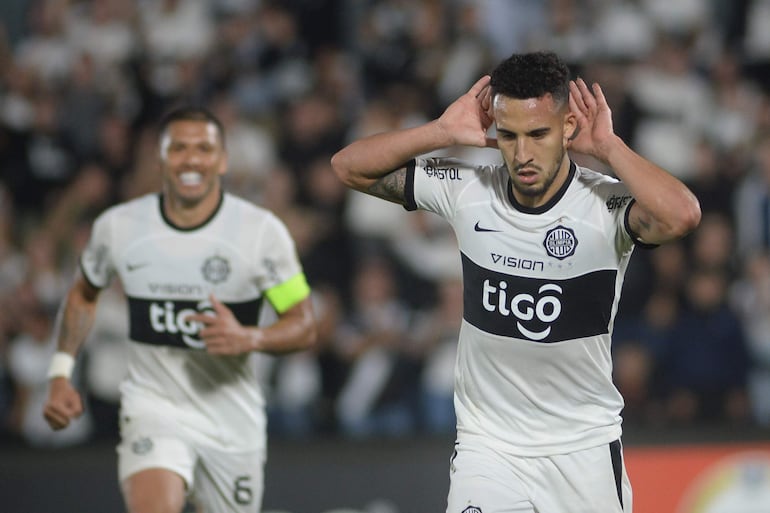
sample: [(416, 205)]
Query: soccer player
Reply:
[(544, 245), (196, 264)]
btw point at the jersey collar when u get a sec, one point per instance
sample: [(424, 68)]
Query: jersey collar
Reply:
[(551, 202), (189, 228)]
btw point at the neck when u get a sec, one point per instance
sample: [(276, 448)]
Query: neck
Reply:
[(185, 214)]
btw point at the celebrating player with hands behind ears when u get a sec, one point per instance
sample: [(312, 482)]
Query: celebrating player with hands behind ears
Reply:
[(196, 264), (544, 245)]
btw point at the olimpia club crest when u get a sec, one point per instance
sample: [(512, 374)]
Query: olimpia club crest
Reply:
[(215, 269), (560, 242)]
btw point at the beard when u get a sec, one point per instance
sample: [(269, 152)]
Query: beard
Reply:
[(540, 188)]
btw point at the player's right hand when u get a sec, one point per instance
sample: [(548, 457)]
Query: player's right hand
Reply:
[(63, 405)]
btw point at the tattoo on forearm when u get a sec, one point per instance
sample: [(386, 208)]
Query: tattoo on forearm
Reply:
[(390, 187)]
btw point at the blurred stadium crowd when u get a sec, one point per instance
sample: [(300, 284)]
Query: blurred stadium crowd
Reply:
[(84, 81)]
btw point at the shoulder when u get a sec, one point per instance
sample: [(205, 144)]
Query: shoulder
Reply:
[(606, 187), (139, 206), (242, 211), (448, 168), (243, 207)]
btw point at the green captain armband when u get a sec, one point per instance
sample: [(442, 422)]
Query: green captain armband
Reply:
[(288, 293)]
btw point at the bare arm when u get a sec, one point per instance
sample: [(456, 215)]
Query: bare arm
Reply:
[(294, 330), (665, 209), (375, 164), (77, 315), (73, 325)]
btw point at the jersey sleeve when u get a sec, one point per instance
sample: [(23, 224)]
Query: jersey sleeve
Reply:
[(434, 184), (96, 261), (618, 201), (279, 271)]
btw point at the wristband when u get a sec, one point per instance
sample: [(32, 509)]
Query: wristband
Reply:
[(61, 365)]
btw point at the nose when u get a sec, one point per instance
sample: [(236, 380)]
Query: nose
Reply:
[(523, 152), (191, 156)]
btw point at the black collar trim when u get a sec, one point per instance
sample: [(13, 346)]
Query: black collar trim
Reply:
[(189, 228), (553, 201)]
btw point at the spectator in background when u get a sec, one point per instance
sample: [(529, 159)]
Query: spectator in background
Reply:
[(705, 361), (41, 159), (752, 201), (750, 296), (46, 51), (378, 394), (435, 332), (674, 102)]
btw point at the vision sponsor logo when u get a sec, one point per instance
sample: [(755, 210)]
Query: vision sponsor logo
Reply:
[(518, 263), (177, 289), (560, 242), (615, 202), (443, 173)]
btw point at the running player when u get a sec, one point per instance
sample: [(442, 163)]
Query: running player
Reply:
[(544, 246), (196, 264)]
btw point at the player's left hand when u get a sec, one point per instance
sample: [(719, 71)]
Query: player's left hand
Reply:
[(222, 333), (594, 133)]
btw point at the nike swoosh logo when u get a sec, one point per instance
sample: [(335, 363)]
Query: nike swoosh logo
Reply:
[(134, 267), (480, 229)]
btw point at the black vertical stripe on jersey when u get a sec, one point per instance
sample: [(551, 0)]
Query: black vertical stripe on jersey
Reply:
[(141, 329), (586, 303), (617, 468)]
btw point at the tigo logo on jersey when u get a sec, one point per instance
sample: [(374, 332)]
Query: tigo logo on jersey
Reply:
[(546, 307), (166, 319), (560, 242)]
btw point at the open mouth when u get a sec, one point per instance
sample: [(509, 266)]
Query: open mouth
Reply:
[(527, 176), (191, 178)]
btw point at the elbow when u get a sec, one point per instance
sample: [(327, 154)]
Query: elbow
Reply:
[(340, 169), (691, 216)]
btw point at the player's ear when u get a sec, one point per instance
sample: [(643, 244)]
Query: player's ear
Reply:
[(570, 127)]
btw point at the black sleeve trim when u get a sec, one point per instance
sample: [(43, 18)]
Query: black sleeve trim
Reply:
[(85, 277), (630, 232), (409, 201)]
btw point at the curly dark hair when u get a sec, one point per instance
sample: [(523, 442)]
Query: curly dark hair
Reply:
[(532, 75)]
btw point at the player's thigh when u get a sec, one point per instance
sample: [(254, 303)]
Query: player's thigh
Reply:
[(229, 481), (154, 490), (584, 481), (481, 482), (154, 471)]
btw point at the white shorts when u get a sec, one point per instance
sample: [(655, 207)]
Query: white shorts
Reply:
[(591, 481), (216, 480)]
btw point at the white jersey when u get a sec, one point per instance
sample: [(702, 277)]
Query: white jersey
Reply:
[(541, 288), (240, 254)]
